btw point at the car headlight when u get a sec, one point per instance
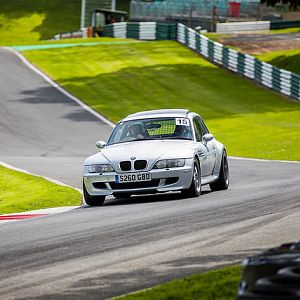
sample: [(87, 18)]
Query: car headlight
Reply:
[(103, 168), (169, 163)]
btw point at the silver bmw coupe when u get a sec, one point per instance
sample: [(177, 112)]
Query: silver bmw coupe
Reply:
[(153, 152)]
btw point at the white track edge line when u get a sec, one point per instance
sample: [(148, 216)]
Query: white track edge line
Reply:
[(264, 160), (58, 87), (4, 164)]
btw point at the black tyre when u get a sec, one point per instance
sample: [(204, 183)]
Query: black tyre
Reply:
[(195, 189), (122, 195), (223, 181), (92, 200)]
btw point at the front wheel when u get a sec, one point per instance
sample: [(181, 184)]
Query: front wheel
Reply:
[(92, 200), (195, 188), (223, 181)]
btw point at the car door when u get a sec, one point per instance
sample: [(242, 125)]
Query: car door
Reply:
[(211, 149), (201, 149), (206, 151)]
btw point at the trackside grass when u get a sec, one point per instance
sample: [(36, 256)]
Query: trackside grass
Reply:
[(66, 43), (117, 80), (218, 284), (21, 192), (284, 30), (81, 41), (287, 59)]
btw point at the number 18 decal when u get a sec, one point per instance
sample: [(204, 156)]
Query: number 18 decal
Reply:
[(182, 121)]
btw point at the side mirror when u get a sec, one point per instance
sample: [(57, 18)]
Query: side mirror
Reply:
[(100, 144), (207, 137)]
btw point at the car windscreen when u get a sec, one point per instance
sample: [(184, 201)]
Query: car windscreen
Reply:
[(151, 129)]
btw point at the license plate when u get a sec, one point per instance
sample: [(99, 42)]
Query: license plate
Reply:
[(133, 177)]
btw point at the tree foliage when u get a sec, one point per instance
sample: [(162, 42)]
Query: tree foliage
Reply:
[(293, 3)]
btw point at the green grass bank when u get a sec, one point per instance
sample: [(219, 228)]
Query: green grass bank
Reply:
[(287, 59), (21, 192), (28, 21), (219, 284), (117, 80)]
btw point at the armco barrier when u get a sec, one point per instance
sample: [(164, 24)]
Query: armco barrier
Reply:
[(284, 24), (69, 35), (282, 81), (279, 80), (242, 26), (141, 30)]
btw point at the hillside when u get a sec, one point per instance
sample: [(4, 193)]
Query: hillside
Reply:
[(288, 59), (28, 21), (119, 79)]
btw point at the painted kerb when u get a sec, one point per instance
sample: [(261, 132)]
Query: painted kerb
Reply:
[(279, 80)]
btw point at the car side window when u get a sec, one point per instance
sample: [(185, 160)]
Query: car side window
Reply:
[(198, 129), (204, 128)]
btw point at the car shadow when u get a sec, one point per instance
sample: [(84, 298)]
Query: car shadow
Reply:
[(142, 199)]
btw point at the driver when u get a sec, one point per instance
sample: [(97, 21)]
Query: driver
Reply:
[(182, 132), (136, 131)]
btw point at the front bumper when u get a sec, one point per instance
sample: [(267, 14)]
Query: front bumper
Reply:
[(162, 180)]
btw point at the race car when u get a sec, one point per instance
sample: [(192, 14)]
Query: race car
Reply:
[(153, 152)]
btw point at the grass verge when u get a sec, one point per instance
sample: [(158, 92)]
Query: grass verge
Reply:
[(218, 284), (117, 80), (21, 192), (284, 30), (73, 43), (80, 41), (287, 59)]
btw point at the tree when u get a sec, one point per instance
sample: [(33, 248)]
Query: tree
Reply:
[(293, 3)]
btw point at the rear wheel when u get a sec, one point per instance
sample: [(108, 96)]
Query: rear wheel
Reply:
[(92, 200), (223, 181), (195, 188)]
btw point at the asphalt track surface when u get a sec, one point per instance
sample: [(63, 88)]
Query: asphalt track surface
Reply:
[(42, 130), (128, 244)]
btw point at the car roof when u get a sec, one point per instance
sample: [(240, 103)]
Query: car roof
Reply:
[(160, 113)]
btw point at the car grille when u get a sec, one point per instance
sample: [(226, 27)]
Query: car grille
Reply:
[(134, 185), (125, 165), (140, 164)]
